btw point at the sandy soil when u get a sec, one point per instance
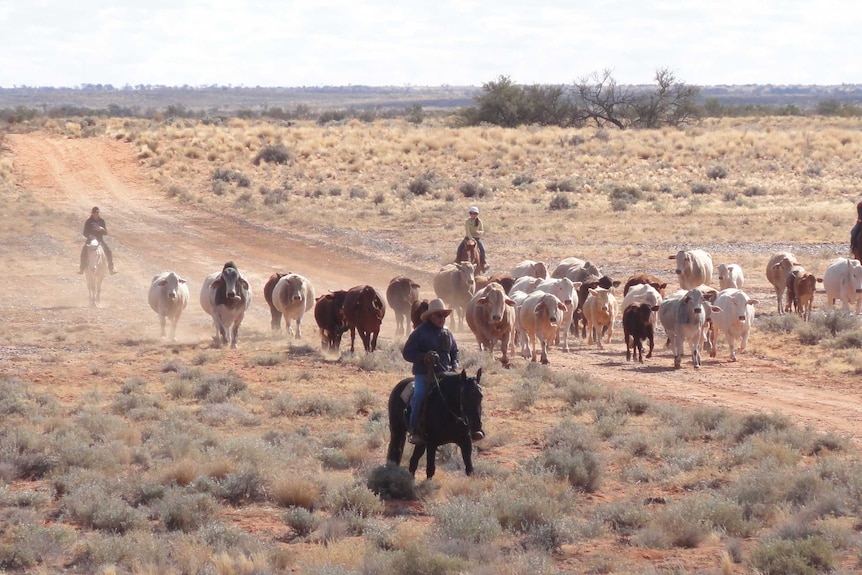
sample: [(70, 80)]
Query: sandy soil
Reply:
[(149, 233)]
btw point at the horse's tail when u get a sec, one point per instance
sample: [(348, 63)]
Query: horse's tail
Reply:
[(397, 422)]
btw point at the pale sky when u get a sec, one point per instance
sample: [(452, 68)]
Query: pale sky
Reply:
[(270, 43)]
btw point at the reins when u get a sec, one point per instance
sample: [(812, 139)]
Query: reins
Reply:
[(459, 418)]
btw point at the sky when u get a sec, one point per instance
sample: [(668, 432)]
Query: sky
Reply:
[(292, 43)]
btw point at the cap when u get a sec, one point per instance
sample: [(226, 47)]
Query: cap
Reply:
[(473, 210)]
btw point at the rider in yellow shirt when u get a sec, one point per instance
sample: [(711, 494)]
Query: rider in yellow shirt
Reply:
[(475, 230)]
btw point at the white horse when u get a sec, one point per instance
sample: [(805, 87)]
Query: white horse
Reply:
[(97, 267)]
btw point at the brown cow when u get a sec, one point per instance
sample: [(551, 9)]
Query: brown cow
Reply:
[(455, 284), (400, 295), (504, 279), (644, 278), (801, 286), (591, 282), (275, 323), (327, 314), (363, 311), (416, 311)]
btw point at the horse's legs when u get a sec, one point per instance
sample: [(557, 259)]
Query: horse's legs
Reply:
[(418, 451), (430, 464), (467, 455)]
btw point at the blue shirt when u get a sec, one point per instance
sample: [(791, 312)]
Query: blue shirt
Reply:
[(428, 337)]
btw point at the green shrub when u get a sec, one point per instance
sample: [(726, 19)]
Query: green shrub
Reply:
[(391, 482), (462, 518), (217, 388), (801, 557), (717, 173), (753, 191), (560, 202), (472, 190), (301, 520), (419, 187), (560, 186), (623, 197), (354, 499), (624, 517), (240, 486), (522, 180), (701, 189), (228, 176), (187, 512), (272, 154)]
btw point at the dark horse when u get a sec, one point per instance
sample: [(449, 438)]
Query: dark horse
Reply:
[(453, 414)]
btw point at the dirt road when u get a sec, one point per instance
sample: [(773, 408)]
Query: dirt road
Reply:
[(151, 232)]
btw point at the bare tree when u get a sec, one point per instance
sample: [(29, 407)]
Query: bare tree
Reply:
[(602, 100)]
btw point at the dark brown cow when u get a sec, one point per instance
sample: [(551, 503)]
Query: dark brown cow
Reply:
[(363, 311), (400, 295), (416, 311), (636, 328), (275, 323), (327, 314), (646, 279), (504, 279)]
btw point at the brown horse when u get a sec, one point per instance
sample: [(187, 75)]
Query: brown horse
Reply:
[(468, 251)]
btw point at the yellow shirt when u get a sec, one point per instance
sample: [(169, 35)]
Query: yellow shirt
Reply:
[(474, 228)]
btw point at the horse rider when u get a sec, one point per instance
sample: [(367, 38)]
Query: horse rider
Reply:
[(474, 231), (432, 350), (855, 240), (95, 227)]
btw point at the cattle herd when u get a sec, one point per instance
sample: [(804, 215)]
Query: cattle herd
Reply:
[(528, 307)]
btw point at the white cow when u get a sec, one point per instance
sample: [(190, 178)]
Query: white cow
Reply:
[(530, 268), (694, 267), (168, 296), (491, 318), (683, 317), (733, 314), (293, 295), (843, 280), (600, 311), (575, 269), (226, 296), (777, 269), (642, 293), (539, 317), (563, 288), (730, 276)]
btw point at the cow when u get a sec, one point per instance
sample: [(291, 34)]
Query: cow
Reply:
[(693, 267), (843, 280), (491, 318), (363, 311), (729, 276), (330, 320), (504, 279), (168, 296), (530, 268), (638, 295), (733, 314), (777, 269), (644, 278), (804, 286), (575, 269), (683, 317), (416, 311), (226, 295), (563, 288), (539, 316), (292, 296), (638, 326), (591, 282), (400, 295), (600, 310), (455, 284), (275, 322)]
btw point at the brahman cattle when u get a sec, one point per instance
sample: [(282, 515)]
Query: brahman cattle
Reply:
[(491, 318), (292, 296), (843, 280), (693, 267), (275, 321), (637, 326), (530, 268), (600, 310), (226, 296), (168, 296), (729, 276), (643, 278), (583, 290), (504, 279), (733, 314), (563, 288), (363, 312), (575, 269), (683, 317), (455, 284), (330, 319), (777, 269), (400, 295), (539, 316)]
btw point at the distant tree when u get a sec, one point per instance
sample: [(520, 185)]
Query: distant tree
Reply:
[(603, 101)]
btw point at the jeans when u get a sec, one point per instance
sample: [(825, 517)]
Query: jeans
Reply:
[(416, 401)]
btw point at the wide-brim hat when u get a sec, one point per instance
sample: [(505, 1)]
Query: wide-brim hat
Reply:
[(435, 306)]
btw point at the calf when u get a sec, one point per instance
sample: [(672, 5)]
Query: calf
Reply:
[(637, 326), (539, 316), (733, 314), (804, 286), (600, 310)]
